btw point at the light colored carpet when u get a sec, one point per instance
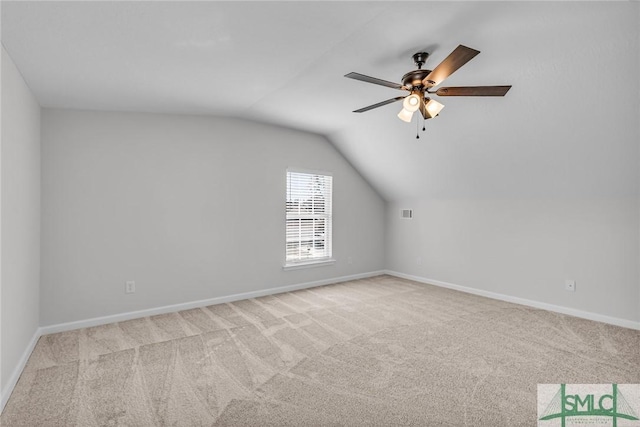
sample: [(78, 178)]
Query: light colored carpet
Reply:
[(379, 351)]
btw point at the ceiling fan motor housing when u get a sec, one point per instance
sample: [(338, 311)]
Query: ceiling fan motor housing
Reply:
[(414, 78)]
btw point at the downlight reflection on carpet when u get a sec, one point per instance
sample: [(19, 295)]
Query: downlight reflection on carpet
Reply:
[(381, 351)]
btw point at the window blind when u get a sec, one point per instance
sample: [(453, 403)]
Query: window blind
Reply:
[(308, 212)]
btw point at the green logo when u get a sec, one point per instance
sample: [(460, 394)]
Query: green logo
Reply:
[(612, 405)]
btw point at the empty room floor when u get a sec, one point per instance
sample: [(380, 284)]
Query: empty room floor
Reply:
[(377, 351)]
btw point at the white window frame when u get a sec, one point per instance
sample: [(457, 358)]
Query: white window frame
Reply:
[(292, 263)]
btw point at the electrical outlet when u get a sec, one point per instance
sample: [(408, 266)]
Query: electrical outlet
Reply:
[(570, 285), (130, 287), (349, 260)]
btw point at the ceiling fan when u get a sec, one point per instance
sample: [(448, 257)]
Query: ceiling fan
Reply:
[(420, 84)]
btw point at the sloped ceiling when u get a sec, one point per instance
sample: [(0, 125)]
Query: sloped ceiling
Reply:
[(568, 127)]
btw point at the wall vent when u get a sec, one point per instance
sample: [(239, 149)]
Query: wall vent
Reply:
[(406, 213)]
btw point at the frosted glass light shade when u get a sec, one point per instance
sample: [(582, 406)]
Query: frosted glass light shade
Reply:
[(433, 108), (405, 115), (411, 103)]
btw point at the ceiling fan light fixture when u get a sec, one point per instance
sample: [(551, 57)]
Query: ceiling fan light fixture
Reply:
[(405, 115), (411, 103), (432, 108), (418, 82)]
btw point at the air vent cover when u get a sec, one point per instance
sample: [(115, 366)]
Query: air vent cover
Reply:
[(406, 213)]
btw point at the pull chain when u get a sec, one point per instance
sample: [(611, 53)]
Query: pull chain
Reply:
[(417, 126)]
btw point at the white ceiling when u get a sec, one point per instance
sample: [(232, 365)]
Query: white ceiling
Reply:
[(568, 127)]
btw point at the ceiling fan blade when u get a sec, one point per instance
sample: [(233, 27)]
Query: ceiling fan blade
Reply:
[(473, 91), (379, 104), (376, 81), (456, 59)]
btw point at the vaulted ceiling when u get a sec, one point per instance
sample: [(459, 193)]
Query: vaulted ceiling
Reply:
[(568, 127)]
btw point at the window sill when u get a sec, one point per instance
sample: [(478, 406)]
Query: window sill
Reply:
[(308, 264)]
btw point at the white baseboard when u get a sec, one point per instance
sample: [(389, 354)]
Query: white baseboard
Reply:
[(96, 321), (522, 301), (15, 375)]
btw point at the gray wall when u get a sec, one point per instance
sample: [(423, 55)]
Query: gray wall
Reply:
[(525, 248), (189, 207), (20, 225)]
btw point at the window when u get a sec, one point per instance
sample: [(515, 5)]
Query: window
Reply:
[(308, 226)]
